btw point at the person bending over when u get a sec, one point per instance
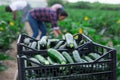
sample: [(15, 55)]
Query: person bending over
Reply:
[(15, 6), (37, 17)]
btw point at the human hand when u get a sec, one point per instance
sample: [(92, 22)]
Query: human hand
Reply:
[(57, 32)]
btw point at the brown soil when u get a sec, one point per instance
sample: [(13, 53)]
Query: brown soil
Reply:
[(11, 71)]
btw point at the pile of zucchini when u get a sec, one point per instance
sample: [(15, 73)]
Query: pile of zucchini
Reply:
[(54, 57), (61, 58), (68, 42)]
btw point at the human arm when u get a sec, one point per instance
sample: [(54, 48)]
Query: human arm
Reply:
[(55, 29)]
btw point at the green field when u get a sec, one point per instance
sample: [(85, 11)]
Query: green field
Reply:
[(100, 22)]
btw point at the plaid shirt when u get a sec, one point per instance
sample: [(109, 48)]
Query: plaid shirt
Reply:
[(46, 15)]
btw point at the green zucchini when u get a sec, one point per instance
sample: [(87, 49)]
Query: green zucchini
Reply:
[(51, 61), (29, 45), (43, 42), (68, 57), (33, 45), (58, 44), (35, 60), (26, 40), (23, 48), (94, 56), (69, 40), (54, 54), (53, 40), (77, 57), (48, 44), (84, 61), (63, 37), (38, 46), (42, 59), (25, 62), (75, 44), (88, 59)]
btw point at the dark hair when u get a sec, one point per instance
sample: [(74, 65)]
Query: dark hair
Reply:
[(61, 12), (8, 9)]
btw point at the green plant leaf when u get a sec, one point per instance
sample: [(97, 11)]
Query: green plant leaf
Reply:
[(3, 56)]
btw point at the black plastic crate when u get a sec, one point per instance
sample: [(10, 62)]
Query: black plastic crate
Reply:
[(98, 70), (79, 38)]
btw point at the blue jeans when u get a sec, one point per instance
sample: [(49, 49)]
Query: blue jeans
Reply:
[(25, 13), (36, 26)]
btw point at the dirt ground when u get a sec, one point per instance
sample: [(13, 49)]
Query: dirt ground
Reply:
[(11, 72)]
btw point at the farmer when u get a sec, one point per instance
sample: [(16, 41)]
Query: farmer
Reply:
[(57, 6), (37, 17), (19, 5)]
